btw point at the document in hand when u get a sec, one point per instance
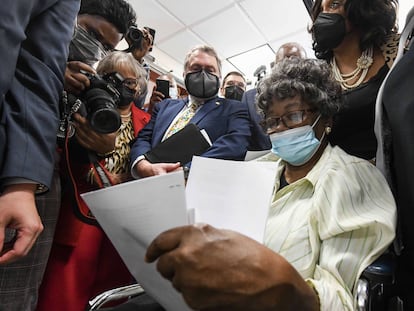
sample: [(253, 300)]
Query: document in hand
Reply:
[(226, 194), (132, 214), (180, 147), (231, 194)]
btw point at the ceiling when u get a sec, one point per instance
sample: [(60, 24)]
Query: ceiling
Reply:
[(245, 33)]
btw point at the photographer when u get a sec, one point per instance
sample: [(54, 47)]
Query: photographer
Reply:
[(95, 105), (140, 43), (159, 93)]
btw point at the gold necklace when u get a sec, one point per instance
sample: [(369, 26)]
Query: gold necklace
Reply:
[(363, 63)]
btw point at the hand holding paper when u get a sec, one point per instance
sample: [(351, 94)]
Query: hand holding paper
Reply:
[(216, 269), (226, 194)]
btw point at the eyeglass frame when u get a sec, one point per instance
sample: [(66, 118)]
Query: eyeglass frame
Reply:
[(128, 80), (281, 120)]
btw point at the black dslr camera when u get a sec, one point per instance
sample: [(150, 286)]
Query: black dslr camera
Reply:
[(134, 37), (98, 104)]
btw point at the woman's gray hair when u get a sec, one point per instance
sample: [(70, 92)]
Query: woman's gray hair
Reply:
[(117, 59), (311, 79)]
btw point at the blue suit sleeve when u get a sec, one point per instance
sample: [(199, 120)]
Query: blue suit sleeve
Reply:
[(37, 35), (232, 144)]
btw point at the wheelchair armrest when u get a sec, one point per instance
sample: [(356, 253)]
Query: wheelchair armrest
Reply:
[(381, 270), (376, 288), (119, 293)]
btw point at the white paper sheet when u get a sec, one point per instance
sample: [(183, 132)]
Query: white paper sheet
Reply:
[(231, 195), (226, 194), (252, 155), (132, 215)]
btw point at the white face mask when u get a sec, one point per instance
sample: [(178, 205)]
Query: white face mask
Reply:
[(173, 92)]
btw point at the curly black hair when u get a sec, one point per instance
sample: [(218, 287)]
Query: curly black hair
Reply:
[(311, 79), (375, 19), (118, 12)]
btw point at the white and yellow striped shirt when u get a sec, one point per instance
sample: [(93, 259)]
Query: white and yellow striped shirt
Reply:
[(332, 223)]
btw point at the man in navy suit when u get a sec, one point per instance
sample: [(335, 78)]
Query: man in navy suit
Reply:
[(226, 121), (34, 37)]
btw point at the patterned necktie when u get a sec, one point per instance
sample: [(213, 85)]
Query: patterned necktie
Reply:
[(182, 120)]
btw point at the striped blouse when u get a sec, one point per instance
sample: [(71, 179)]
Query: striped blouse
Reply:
[(332, 223)]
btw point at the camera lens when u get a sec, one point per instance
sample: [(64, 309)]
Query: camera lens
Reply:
[(102, 113), (105, 121), (134, 34)]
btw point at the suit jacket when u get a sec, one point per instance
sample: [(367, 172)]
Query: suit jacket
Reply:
[(35, 37), (259, 139), (225, 121), (395, 134)]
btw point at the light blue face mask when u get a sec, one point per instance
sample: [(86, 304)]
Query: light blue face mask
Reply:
[(173, 92), (296, 146)]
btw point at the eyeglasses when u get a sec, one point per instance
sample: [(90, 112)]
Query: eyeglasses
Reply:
[(290, 120), (130, 83)]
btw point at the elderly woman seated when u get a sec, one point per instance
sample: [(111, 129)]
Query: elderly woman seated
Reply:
[(332, 214)]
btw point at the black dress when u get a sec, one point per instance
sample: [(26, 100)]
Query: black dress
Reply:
[(353, 125)]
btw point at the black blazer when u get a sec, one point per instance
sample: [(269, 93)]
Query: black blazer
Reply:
[(395, 133)]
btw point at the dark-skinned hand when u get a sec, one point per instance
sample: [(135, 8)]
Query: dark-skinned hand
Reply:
[(223, 270)]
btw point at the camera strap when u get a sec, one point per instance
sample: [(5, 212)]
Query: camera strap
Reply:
[(101, 179), (80, 208)]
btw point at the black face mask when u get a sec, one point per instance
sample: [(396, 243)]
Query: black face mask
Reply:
[(202, 84), (233, 92), (127, 96), (328, 32)]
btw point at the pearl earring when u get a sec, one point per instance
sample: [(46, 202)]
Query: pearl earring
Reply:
[(328, 130)]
